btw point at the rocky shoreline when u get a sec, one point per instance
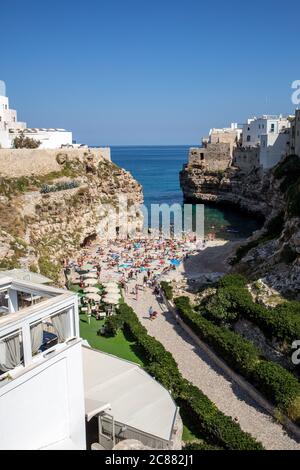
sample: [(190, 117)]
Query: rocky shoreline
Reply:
[(272, 253)]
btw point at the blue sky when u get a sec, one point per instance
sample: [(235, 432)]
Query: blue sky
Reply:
[(148, 72)]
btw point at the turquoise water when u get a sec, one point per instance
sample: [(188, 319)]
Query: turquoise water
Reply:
[(157, 169)]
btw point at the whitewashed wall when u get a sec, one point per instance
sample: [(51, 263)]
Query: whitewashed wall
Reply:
[(45, 406)]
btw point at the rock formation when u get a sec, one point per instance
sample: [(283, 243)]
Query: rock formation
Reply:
[(272, 253)]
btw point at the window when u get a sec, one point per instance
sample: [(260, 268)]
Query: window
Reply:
[(11, 352), (3, 303), (248, 138), (272, 128), (202, 156)]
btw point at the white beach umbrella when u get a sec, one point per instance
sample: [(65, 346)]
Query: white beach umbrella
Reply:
[(114, 296), (110, 284), (111, 300), (94, 297), (91, 282), (91, 290)]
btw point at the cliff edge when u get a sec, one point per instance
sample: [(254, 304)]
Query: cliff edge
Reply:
[(50, 208), (273, 253)]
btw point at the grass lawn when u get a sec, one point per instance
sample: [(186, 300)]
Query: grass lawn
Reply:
[(118, 346)]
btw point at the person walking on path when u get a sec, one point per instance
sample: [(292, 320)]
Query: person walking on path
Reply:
[(150, 311), (136, 292)]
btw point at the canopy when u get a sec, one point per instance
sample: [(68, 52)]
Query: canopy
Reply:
[(110, 284), (95, 297), (91, 290), (135, 398), (112, 290), (111, 299)]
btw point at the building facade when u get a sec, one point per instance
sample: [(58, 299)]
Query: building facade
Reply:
[(54, 391), (10, 128)]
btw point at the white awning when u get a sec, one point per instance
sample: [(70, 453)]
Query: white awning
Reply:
[(95, 407), (135, 398)]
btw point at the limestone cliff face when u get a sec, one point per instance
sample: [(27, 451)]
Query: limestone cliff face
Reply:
[(272, 253), (45, 217)]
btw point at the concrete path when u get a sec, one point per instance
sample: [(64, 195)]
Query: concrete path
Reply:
[(197, 367)]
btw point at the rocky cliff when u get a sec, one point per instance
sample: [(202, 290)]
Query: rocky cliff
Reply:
[(273, 253), (47, 215)]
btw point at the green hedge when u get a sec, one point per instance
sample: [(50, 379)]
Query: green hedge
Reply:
[(276, 383), (220, 429), (168, 290), (281, 322)]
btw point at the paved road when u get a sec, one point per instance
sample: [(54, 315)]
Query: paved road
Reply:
[(198, 368)]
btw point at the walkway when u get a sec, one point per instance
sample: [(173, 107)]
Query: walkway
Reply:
[(198, 368)]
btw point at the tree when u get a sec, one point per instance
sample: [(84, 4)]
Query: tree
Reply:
[(22, 142)]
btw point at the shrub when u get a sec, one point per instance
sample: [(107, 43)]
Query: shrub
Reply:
[(220, 429), (49, 269), (281, 322), (241, 354), (276, 383), (288, 171), (46, 188), (293, 199), (113, 324), (22, 142)]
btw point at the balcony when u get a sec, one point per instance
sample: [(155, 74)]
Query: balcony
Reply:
[(35, 321)]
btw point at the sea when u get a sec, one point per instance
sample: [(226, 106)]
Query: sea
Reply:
[(157, 169)]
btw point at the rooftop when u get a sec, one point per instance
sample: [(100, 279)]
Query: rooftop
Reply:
[(134, 398)]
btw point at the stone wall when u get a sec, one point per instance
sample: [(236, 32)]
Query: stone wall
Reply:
[(246, 159), (15, 163), (213, 157)]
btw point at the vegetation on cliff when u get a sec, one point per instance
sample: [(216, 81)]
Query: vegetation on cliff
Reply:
[(55, 212)]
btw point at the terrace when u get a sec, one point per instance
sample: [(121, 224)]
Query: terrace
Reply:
[(35, 321)]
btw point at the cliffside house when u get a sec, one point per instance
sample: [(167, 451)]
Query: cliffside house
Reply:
[(271, 134), (260, 143), (10, 128), (216, 151), (57, 394)]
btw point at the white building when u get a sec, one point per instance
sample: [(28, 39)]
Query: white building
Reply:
[(271, 134), (10, 128), (53, 390), (227, 135)]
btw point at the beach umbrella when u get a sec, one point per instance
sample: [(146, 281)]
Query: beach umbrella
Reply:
[(91, 282), (174, 262), (90, 276), (110, 284), (112, 300), (95, 297), (91, 290), (86, 267), (112, 287)]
